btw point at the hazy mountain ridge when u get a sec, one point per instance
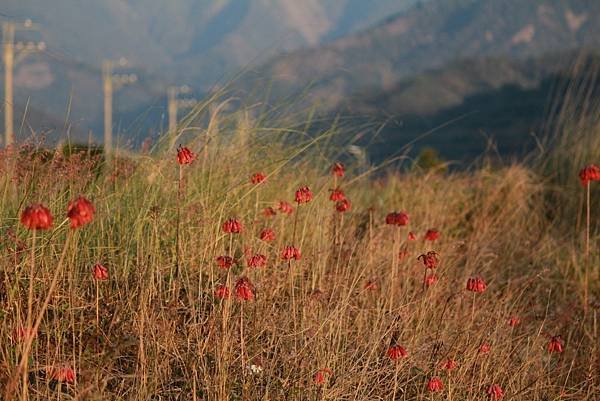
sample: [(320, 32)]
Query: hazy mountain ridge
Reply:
[(420, 67), (470, 102), (165, 36), (430, 36), (199, 42)]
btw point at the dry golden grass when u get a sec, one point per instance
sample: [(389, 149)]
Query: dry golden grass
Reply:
[(147, 333)]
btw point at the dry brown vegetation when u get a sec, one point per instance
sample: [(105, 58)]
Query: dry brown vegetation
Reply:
[(152, 333)]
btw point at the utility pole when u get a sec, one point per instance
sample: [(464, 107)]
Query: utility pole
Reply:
[(110, 83), (9, 50), (107, 87), (8, 38), (174, 104)]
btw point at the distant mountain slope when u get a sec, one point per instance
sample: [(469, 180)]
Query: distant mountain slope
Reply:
[(459, 108), (194, 39), (197, 42), (431, 35)]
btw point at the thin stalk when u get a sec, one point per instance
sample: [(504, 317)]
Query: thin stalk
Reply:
[(28, 331), (395, 253), (179, 196), (587, 249), (10, 387)]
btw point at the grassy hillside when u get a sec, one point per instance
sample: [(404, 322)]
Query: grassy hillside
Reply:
[(356, 316)]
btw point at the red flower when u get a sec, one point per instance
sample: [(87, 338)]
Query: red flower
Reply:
[(397, 219), (221, 292), (225, 262), (322, 375), (291, 252), (430, 259), (338, 169), (343, 206), (258, 178), (432, 234), (430, 280), (36, 217), (269, 212), (303, 195), (476, 284), (555, 345), (184, 155), (495, 392), (267, 235), (589, 173), (337, 195), (232, 226), (371, 285), (484, 348), (80, 211), (257, 260), (396, 352), (450, 364), (435, 384), (100, 272), (244, 290), (63, 374), (514, 321), (412, 236), (403, 254), (285, 207)]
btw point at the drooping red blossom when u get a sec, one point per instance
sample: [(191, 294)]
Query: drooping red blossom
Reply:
[(397, 219), (267, 235), (343, 206), (589, 173), (450, 364), (244, 290), (63, 374), (338, 169), (221, 292), (184, 155), (225, 262), (396, 352), (291, 252), (432, 234), (495, 392), (257, 260), (430, 259), (80, 211), (258, 178), (36, 217), (555, 345), (476, 284), (412, 236), (430, 280), (269, 212), (514, 321), (322, 376), (484, 348), (100, 272), (435, 384), (303, 195), (371, 285), (337, 195), (285, 207), (232, 226)]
